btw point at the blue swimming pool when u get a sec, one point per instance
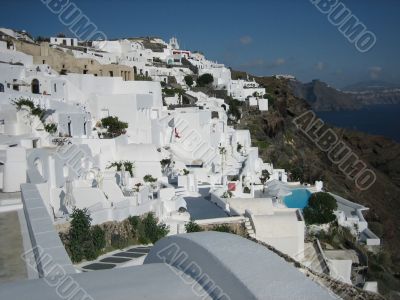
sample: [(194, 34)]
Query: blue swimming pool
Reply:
[(298, 199)]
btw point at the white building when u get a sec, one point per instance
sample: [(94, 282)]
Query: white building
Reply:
[(64, 41)]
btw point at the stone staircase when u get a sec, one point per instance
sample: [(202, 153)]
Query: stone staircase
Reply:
[(249, 228)]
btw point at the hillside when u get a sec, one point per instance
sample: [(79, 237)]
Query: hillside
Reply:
[(280, 142)]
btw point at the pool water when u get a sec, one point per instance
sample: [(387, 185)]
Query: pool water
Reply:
[(298, 199)]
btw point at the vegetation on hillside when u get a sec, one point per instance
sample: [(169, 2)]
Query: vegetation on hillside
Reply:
[(320, 209), (287, 147), (86, 242)]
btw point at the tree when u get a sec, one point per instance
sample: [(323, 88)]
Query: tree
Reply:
[(192, 226), (114, 126), (320, 209), (205, 79), (189, 80), (152, 231), (80, 243)]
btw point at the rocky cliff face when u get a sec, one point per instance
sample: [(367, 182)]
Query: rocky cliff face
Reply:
[(385, 96), (322, 97), (280, 142)]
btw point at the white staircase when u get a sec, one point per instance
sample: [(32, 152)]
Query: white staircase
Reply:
[(249, 228)]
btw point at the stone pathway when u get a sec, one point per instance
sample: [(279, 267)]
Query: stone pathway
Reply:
[(12, 267), (116, 258)]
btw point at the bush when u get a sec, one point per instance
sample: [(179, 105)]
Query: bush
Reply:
[(146, 230), (222, 228), (51, 128), (118, 241), (154, 232), (98, 238), (227, 194), (235, 110), (114, 126), (192, 227), (205, 80), (81, 245), (296, 174), (320, 209), (35, 109), (129, 166), (189, 80), (140, 77), (149, 178), (169, 92)]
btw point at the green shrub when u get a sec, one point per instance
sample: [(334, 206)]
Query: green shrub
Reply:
[(140, 77), (222, 228), (146, 230), (129, 166), (51, 128), (114, 126), (149, 178), (320, 209), (205, 80), (35, 109), (118, 241), (81, 245), (98, 238), (189, 80), (153, 231), (192, 227)]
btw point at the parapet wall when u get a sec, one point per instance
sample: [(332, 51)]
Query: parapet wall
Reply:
[(47, 249)]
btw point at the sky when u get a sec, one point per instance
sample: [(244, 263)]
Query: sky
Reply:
[(262, 37)]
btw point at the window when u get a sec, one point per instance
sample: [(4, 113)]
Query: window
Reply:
[(44, 62), (1, 88), (55, 88)]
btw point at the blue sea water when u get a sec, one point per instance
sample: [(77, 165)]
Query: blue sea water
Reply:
[(374, 119), (298, 199)]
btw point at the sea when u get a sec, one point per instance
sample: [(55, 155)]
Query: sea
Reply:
[(382, 119)]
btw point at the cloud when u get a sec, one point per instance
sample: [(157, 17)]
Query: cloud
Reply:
[(375, 72), (320, 66), (245, 40)]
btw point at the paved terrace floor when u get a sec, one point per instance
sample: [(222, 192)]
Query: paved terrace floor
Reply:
[(129, 256), (12, 267), (202, 208)]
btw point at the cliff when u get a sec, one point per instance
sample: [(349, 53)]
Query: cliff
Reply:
[(281, 143)]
